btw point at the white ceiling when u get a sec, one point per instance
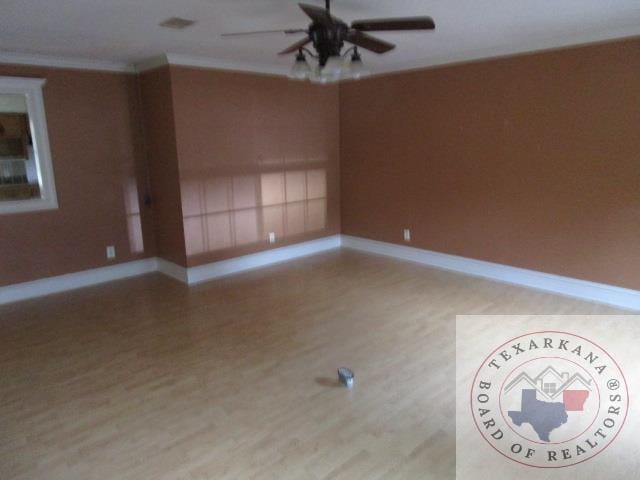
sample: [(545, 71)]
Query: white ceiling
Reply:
[(120, 32)]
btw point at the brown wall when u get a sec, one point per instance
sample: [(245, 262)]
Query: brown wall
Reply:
[(115, 137), (94, 130), (257, 154), (162, 158), (529, 161)]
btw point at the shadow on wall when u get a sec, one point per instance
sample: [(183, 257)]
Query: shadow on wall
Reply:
[(233, 211)]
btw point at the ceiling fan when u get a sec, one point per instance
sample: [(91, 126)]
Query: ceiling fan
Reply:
[(328, 35)]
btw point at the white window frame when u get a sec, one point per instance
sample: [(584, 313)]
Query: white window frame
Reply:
[(31, 88)]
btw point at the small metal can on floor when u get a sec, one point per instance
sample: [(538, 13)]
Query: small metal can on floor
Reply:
[(346, 376)]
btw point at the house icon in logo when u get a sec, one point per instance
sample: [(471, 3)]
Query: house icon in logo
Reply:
[(550, 383)]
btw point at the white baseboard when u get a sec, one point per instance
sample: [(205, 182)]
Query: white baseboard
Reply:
[(597, 292), (172, 270), (210, 271), (71, 281), (86, 278)]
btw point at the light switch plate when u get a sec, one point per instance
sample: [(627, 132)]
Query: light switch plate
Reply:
[(272, 237), (407, 235)]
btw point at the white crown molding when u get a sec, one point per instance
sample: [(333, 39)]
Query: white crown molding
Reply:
[(214, 64), (572, 287), (511, 50), (195, 61), (151, 63), (72, 281), (14, 58), (207, 63), (548, 44)]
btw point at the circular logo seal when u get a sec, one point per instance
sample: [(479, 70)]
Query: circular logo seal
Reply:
[(549, 399)]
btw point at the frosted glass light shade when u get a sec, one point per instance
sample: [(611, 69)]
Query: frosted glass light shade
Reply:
[(358, 70), (334, 68), (300, 69)]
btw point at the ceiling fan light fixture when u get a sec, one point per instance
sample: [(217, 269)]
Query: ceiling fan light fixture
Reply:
[(328, 34), (316, 76), (300, 69), (319, 79), (334, 69), (357, 70)]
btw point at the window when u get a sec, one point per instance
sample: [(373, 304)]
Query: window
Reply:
[(26, 173), (549, 388)]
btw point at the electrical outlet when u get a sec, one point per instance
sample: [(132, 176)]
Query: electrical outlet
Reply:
[(111, 252), (272, 237), (407, 235)]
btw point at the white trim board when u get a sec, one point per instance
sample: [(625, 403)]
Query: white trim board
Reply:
[(223, 268), (13, 58), (72, 281), (190, 276), (31, 90), (28, 59), (168, 58), (172, 270), (208, 64), (572, 287), (202, 273), (597, 292), (215, 64)]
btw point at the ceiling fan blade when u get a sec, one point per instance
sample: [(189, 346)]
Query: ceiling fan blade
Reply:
[(263, 32), (385, 24), (318, 15), (368, 42), (296, 46)]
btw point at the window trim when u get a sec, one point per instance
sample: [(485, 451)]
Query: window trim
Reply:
[(31, 88)]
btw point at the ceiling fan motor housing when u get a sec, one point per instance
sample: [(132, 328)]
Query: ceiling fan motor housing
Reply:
[(327, 41)]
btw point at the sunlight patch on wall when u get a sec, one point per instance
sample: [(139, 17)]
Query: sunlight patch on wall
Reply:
[(134, 221), (225, 212)]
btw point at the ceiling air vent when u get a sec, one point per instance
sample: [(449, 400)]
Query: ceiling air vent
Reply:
[(177, 23)]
